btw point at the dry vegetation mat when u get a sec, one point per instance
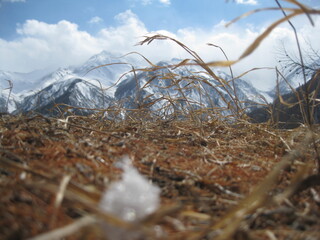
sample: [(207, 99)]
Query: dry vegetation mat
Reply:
[(217, 181)]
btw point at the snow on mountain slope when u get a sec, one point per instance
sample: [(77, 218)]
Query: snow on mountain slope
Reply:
[(21, 81), (105, 68), (7, 102), (186, 87), (59, 75), (75, 92), (8, 99)]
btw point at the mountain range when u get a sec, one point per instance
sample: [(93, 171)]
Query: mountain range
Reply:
[(76, 86), (166, 89), (106, 81)]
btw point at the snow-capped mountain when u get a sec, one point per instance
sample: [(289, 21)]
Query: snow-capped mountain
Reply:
[(27, 86), (105, 68), (88, 86), (74, 92), (185, 88), (21, 81)]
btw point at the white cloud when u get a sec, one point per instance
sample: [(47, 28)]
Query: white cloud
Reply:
[(236, 39), (249, 2), (13, 0), (166, 2), (148, 2), (41, 45), (95, 20)]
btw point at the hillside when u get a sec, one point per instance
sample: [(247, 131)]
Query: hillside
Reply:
[(216, 180)]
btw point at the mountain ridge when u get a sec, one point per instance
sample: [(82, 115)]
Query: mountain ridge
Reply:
[(103, 70)]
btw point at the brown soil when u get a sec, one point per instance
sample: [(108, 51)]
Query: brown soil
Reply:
[(206, 172)]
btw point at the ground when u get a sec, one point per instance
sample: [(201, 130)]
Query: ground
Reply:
[(217, 180)]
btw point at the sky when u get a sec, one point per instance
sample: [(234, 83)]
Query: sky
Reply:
[(48, 34)]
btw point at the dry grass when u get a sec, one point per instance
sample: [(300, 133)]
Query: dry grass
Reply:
[(230, 180)]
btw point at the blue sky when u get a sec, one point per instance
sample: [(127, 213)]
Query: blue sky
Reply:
[(36, 34), (170, 15)]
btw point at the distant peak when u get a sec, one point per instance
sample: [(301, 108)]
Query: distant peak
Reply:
[(109, 54), (104, 57), (176, 60)]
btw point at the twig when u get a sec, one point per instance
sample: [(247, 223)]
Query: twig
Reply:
[(58, 199), (67, 230), (308, 117)]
